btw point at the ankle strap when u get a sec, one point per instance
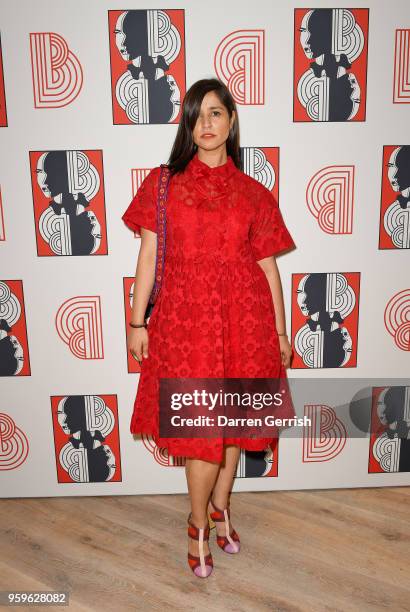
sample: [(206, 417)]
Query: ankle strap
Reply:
[(219, 515), (194, 531)]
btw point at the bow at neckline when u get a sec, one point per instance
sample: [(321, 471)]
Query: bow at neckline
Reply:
[(213, 183)]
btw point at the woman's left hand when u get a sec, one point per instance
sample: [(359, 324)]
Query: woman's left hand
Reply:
[(285, 350)]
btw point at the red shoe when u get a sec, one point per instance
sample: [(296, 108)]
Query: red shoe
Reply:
[(230, 542), (203, 565)]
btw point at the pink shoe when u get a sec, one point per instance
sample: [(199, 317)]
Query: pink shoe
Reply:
[(230, 542), (202, 566)]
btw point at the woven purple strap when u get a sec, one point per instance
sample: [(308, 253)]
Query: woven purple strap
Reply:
[(164, 177)]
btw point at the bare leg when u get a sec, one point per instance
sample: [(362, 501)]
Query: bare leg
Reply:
[(224, 482), (201, 477)]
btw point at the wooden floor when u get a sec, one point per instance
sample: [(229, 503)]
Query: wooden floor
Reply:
[(345, 549)]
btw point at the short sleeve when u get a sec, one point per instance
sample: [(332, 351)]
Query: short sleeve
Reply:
[(268, 233), (142, 211)]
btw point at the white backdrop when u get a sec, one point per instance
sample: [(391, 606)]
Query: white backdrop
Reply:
[(36, 456)]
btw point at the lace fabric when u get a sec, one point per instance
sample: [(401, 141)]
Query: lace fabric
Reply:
[(214, 316), (211, 185)]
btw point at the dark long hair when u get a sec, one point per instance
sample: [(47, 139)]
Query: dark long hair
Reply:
[(184, 147)]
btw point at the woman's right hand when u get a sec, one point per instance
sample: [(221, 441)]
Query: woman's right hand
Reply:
[(138, 342)]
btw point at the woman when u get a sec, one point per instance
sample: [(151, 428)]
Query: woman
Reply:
[(220, 297)]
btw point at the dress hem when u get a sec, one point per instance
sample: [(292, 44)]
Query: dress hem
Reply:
[(244, 444)]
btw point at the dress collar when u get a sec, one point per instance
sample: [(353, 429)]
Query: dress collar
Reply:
[(211, 184), (200, 168)]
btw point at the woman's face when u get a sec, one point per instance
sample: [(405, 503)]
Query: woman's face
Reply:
[(213, 124)]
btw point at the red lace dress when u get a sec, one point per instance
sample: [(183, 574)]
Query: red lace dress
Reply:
[(214, 316)]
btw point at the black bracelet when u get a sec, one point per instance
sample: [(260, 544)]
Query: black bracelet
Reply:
[(134, 325)]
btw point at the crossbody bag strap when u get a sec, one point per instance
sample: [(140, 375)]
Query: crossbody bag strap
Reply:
[(163, 183)]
